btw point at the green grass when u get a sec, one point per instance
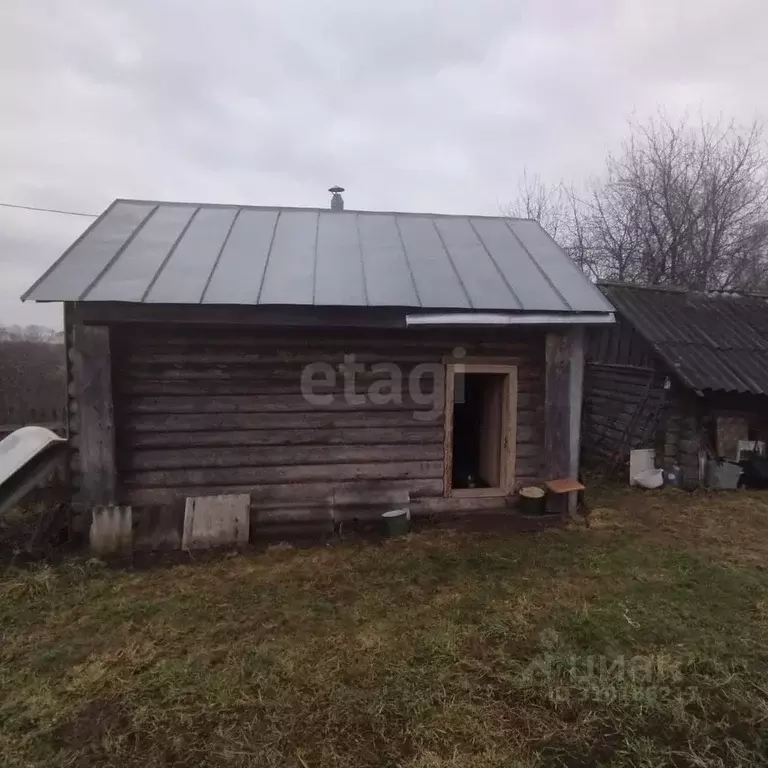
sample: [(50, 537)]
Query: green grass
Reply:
[(638, 640)]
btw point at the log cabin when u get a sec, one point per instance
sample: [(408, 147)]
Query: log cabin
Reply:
[(682, 372), (302, 356)]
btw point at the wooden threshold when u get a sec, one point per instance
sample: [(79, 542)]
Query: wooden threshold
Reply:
[(469, 493)]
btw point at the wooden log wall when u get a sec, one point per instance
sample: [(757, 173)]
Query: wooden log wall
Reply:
[(619, 344), (622, 405), (202, 411)]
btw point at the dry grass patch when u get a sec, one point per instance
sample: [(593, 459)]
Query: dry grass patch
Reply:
[(729, 524), (638, 641)]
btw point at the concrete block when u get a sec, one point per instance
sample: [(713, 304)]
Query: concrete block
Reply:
[(111, 530), (216, 521)]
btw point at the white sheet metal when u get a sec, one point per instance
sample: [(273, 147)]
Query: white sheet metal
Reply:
[(498, 318), (22, 446)]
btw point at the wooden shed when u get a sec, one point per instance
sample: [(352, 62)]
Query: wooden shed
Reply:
[(683, 372), (307, 356)]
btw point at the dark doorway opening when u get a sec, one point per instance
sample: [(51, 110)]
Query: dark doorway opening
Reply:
[(478, 430)]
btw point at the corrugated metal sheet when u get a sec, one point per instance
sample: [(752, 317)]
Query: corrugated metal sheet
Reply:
[(716, 341), (182, 253)]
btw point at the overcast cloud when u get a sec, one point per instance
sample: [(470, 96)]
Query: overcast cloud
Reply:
[(410, 104)]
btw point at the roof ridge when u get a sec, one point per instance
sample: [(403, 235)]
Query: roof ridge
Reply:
[(315, 209), (678, 289), (642, 287)]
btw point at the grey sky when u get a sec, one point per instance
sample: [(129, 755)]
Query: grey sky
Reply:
[(410, 104)]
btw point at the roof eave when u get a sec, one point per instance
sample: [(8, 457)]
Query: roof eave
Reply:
[(454, 319)]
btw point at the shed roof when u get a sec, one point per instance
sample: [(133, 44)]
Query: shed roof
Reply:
[(711, 340), (184, 253)]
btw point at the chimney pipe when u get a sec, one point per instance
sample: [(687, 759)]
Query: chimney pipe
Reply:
[(337, 201)]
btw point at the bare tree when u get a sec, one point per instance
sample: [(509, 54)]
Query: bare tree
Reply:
[(681, 204), (32, 376), (557, 209), (547, 204)]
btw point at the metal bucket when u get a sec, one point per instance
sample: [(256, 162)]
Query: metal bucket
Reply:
[(397, 522), (532, 500)]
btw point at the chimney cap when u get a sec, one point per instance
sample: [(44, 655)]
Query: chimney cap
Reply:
[(337, 201)]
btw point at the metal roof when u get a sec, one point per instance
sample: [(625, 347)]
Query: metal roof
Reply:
[(711, 340), (183, 253)]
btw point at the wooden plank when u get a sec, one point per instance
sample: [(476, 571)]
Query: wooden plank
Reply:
[(243, 386), (493, 420), (279, 495), (69, 388), (527, 451), (618, 396), (453, 504), (479, 493), (448, 429), (263, 519), (273, 357), (415, 435), (485, 342), (265, 475), (158, 422), (98, 313), (564, 377), (92, 377), (557, 406), (266, 404), (262, 375), (530, 433), (577, 352), (511, 446), (530, 417), (198, 458), (620, 368)]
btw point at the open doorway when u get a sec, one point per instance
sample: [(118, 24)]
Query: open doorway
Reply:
[(480, 429)]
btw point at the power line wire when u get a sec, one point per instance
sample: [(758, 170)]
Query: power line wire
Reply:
[(49, 210)]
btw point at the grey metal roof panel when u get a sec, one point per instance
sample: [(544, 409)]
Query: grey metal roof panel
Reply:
[(478, 273), (388, 277), (74, 274), (339, 278), (237, 277), (290, 274), (535, 289), (712, 341), (568, 280), (184, 276), (126, 279), (184, 253), (437, 281)]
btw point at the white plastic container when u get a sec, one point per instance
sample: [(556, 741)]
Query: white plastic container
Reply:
[(649, 478), (640, 460)]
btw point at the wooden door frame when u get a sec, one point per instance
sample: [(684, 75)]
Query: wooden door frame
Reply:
[(507, 445)]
